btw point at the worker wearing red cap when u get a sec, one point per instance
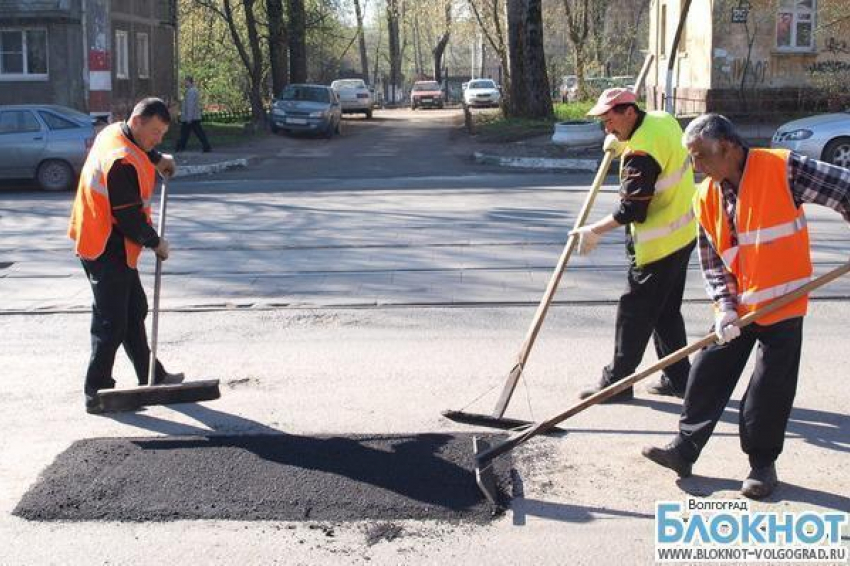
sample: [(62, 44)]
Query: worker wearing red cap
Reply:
[(656, 192)]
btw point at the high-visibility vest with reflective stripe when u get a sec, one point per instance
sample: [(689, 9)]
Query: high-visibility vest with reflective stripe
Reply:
[(91, 218), (670, 223), (772, 257)]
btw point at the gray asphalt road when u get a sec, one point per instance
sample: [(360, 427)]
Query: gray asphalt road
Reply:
[(313, 374), (420, 235)]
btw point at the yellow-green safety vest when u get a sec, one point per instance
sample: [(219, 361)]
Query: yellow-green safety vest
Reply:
[(670, 224)]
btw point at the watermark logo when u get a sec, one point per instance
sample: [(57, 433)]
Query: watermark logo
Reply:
[(727, 530)]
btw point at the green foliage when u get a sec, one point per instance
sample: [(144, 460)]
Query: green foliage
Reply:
[(494, 127), (572, 111), (207, 53)]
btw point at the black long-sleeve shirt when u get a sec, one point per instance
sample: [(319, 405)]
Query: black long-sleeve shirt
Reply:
[(637, 183), (125, 198)]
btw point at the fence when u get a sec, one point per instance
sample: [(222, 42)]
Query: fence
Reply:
[(228, 116)]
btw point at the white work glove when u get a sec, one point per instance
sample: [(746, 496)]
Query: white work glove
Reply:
[(161, 250), (614, 145), (724, 326), (587, 239), (166, 165)]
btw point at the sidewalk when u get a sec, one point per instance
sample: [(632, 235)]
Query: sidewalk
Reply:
[(540, 153)]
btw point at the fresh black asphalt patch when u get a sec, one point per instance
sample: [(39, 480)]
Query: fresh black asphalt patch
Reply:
[(264, 477)]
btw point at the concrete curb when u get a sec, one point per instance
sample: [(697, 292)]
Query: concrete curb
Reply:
[(590, 165), (210, 168)]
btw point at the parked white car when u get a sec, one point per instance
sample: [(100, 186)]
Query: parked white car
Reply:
[(482, 92), (354, 96), (825, 137)]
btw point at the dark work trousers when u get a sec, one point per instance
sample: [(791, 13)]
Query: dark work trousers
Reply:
[(651, 307), (766, 405), (118, 317), (186, 128)]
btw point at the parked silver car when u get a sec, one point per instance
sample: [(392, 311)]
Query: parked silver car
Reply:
[(825, 137), (307, 108), (44, 142), (354, 96)]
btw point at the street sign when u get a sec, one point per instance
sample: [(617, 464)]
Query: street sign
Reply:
[(740, 14)]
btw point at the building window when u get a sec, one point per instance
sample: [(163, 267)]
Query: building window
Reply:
[(143, 55), (794, 25), (23, 54), (121, 64), (662, 31)]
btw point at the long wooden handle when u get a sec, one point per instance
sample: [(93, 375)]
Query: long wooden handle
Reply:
[(549, 294), (520, 437), (157, 284), (555, 279)]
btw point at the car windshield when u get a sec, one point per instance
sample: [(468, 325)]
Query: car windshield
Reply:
[(311, 93), (426, 86), (349, 83), (482, 84)]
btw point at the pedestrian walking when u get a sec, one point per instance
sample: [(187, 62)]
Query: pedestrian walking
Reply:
[(190, 117), (110, 225), (656, 190), (753, 248)]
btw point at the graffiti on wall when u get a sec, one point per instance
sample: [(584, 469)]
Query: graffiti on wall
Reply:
[(829, 67), (835, 46), (731, 69)]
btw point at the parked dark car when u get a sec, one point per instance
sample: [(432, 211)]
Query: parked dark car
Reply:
[(307, 108), (47, 143)]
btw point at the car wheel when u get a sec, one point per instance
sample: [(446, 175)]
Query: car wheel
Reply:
[(55, 175), (338, 128), (274, 128), (837, 152), (369, 114)]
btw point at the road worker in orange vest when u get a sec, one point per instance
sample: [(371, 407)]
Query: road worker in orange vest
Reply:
[(110, 225), (753, 247)]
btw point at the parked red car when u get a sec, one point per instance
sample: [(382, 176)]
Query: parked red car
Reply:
[(426, 93)]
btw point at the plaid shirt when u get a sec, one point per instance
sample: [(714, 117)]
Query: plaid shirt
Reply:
[(810, 181)]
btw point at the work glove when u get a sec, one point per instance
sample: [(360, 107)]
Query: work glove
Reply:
[(587, 239), (724, 326), (614, 145), (166, 165), (161, 250)]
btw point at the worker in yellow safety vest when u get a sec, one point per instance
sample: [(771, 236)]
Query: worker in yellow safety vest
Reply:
[(753, 247), (110, 225), (656, 190)]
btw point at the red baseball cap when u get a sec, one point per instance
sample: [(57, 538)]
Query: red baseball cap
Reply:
[(610, 98)]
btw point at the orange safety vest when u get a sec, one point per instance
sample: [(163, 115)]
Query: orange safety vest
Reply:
[(91, 218), (772, 257)]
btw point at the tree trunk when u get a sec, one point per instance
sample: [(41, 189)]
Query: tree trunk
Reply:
[(539, 94), (251, 57), (364, 58), (394, 50), (418, 59), (440, 49), (577, 30), (278, 49), (517, 57), (297, 41)]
